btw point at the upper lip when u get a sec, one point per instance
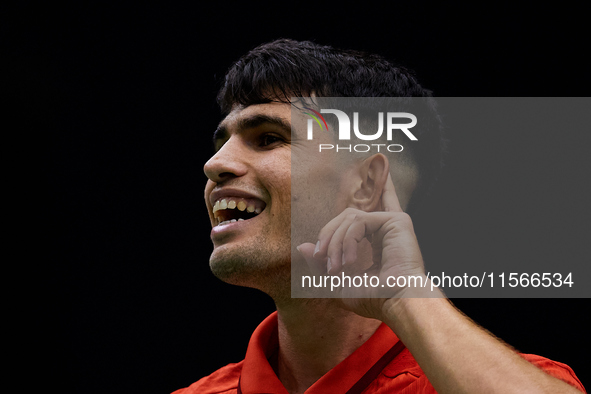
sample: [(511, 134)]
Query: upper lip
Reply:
[(227, 192)]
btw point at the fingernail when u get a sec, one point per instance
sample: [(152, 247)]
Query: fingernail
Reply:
[(343, 259), (317, 248), (328, 265)]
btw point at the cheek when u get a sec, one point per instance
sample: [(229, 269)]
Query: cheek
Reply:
[(275, 173), (280, 188), (316, 181), (316, 201)]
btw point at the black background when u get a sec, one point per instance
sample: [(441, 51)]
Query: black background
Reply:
[(122, 99)]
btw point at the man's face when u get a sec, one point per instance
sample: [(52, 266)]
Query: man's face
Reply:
[(249, 196)]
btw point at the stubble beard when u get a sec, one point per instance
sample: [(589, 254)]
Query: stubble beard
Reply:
[(262, 265)]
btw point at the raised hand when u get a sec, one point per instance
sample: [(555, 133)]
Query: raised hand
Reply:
[(379, 244)]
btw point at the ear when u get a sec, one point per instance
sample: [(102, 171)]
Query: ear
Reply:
[(369, 179)]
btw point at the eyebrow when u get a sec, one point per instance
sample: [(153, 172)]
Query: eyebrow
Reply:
[(252, 122)]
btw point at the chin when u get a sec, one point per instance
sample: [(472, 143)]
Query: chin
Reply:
[(252, 267)]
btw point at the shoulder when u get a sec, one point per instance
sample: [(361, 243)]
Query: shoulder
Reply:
[(556, 369), (222, 381), (404, 373)]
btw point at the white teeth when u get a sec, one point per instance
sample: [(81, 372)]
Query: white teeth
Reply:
[(232, 204), (230, 221), (229, 203)]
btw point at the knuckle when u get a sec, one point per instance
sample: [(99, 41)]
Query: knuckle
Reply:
[(400, 221), (327, 231), (351, 216), (404, 219), (348, 211)]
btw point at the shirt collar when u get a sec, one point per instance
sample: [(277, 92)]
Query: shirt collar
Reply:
[(259, 377)]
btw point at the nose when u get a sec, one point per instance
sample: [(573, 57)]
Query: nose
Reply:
[(228, 162)]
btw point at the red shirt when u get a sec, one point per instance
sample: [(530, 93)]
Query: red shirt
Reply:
[(381, 365)]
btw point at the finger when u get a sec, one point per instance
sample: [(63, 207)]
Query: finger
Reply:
[(359, 226), (335, 247), (326, 234), (372, 222), (316, 266), (355, 234), (390, 200)]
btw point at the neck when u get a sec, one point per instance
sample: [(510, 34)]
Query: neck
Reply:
[(314, 336)]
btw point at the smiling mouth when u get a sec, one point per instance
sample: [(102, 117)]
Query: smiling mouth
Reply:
[(230, 210)]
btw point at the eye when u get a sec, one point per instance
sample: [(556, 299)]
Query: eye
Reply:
[(266, 140)]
